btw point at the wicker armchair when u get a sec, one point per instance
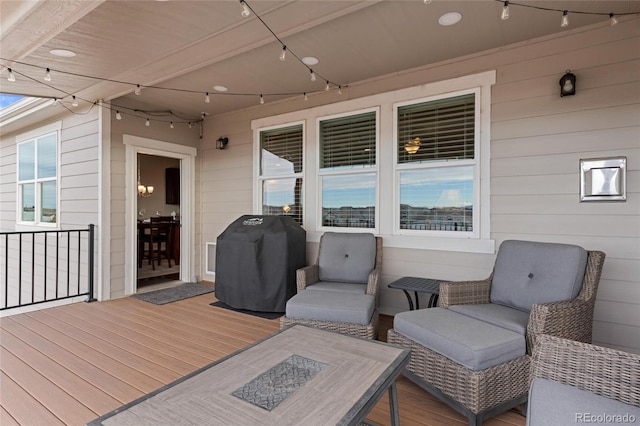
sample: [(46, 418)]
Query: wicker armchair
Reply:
[(486, 392), (588, 379), (328, 293)]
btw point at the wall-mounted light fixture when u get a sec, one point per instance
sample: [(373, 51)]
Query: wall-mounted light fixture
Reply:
[(221, 143), (568, 84), (412, 146)]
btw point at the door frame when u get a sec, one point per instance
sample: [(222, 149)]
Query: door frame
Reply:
[(135, 145)]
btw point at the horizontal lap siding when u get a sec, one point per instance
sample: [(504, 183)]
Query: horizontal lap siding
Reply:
[(537, 141)]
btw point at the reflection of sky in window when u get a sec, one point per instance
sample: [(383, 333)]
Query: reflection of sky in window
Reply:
[(49, 195), (7, 100), (357, 190), (26, 155), (47, 157), (441, 187), (272, 165), (278, 192)]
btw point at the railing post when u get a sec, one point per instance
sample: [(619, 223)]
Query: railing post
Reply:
[(90, 296)]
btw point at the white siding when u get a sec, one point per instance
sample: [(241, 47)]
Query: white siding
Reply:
[(537, 139)]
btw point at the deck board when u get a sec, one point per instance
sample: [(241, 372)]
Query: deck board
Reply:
[(85, 360)]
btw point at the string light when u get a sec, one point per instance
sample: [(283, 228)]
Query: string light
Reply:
[(339, 90), (306, 98), (326, 88), (261, 100), (245, 9), (313, 75), (283, 54), (190, 125), (138, 90), (171, 126), (564, 22), (47, 75), (207, 99), (12, 76), (147, 123), (74, 102), (613, 19), (118, 115), (505, 11)]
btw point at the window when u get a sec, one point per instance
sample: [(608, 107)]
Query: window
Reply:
[(281, 171), (436, 164), (348, 170), (38, 180)]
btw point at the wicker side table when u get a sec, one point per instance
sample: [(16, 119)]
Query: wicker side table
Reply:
[(418, 285)]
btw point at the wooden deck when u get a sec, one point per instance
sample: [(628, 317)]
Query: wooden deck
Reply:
[(70, 364)]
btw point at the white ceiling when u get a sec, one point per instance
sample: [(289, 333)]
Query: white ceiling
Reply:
[(194, 45)]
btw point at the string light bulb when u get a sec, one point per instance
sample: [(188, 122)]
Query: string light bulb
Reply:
[(326, 88), (245, 9), (74, 102), (339, 90), (207, 99), (612, 19), (505, 11), (190, 125), (138, 90), (283, 54), (313, 75), (261, 100), (147, 123), (118, 115), (306, 98), (47, 75), (12, 76), (171, 126), (564, 22)]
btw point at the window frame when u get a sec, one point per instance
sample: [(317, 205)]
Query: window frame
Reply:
[(375, 169), (260, 178), (34, 136), (398, 167)]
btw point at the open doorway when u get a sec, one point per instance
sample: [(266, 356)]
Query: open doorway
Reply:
[(186, 155), (158, 220)]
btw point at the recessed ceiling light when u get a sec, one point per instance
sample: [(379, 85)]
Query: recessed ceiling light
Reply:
[(450, 18), (220, 88), (310, 60), (63, 53)]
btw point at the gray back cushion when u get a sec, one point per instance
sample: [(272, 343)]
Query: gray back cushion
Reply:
[(346, 257), (529, 272)]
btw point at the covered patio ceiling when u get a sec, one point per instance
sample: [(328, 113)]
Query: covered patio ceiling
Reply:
[(193, 46)]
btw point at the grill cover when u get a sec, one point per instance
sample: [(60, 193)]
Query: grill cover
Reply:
[(256, 262)]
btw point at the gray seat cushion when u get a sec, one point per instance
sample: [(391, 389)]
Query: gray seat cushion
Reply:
[(502, 316), (337, 286), (472, 343), (331, 306), (553, 403), (346, 257), (529, 272)]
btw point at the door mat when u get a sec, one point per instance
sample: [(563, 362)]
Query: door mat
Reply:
[(266, 315), (173, 294)]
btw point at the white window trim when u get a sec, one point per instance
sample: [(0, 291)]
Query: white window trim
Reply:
[(365, 170), (52, 128), (385, 100), (259, 178)]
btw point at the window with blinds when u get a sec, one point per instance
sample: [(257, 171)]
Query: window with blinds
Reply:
[(281, 171), (443, 129), (436, 164), (348, 175), (348, 142)]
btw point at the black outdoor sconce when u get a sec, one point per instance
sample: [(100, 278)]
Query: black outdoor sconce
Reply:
[(568, 84), (221, 143)]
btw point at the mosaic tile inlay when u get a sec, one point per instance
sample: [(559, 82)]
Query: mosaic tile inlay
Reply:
[(279, 382)]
